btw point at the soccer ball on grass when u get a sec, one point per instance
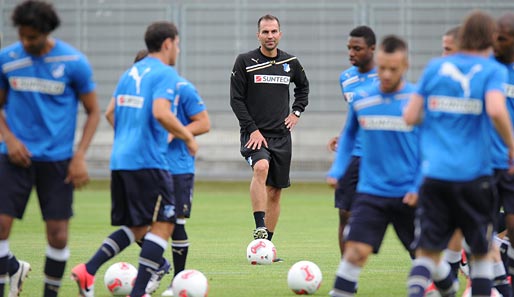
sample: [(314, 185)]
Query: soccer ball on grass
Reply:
[(304, 278), (119, 278), (190, 283), (261, 251)]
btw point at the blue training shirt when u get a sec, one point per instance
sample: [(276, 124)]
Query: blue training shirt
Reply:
[(500, 150), (390, 162), (42, 97), (456, 128), (140, 141), (187, 103), (351, 81)]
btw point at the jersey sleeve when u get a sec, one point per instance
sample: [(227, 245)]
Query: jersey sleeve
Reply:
[(301, 90), (238, 89), (82, 76), (166, 86), (191, 100), (498, 79)]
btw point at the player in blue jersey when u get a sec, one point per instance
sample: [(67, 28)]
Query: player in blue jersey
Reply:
[(504, 53), (141, 187), (361, 48), (388, 179), (192, 113), (43, 79), (459, 97)]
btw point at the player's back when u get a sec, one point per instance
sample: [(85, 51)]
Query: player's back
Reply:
[(456, 138), (139, 140)]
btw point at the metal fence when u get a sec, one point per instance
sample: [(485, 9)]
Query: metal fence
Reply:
[(212, 33)]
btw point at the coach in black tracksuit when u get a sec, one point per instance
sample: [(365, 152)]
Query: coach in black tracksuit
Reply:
[(259, 97)]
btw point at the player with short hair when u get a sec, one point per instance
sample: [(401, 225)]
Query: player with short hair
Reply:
[(43, 79), (504, 54), (259, 97), (449, 41), (141, 188), (385, 194), (459, 97), (361, 49)]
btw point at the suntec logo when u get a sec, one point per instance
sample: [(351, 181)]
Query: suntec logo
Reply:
[(271, 79)]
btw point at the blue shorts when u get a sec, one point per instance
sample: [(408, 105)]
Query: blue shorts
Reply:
[(371, 216), (141, 197), (505, 186), (347, 185), (444, 206), (183, 190), (16, 183), (278, 153)]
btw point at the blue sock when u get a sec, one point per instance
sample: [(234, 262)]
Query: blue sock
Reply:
[(179, 247), (500, 282), (149, 261), (420, 276), (347, 277), (54, 269), (444, 279), (4, 259), (112, 245), (481, 277)]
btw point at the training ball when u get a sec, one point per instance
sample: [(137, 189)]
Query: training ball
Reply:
[(261, 251), (190, 283), (119, 278), (304, 278), (494, 293)]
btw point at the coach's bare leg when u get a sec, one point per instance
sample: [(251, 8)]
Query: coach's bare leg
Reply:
[(272, 207), (258, 193)]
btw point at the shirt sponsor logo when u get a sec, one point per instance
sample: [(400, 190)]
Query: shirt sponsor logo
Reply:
[(130, 101), (455, 105), (271, 79), (509, 91), (386, 123), (32, 84)]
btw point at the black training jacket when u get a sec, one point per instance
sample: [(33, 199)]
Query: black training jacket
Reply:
[(259, 91)]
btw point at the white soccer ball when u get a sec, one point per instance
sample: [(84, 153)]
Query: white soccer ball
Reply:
[(190, 283), (119, 278), (494, 293), (261, 251), (304, 278)]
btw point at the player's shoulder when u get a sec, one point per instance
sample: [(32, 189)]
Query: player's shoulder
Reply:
[(65, 51), (12, 52), (284, 56), (347, 74), (184, 85), (249, 56)]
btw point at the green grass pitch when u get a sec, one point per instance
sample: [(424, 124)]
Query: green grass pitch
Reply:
[(219, 231)]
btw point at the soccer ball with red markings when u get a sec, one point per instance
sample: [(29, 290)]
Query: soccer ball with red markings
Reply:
[(190, 283), (304, 278), (119, 278), (261, 251)]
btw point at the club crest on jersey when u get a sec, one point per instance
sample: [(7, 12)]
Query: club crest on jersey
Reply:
[(286, 67), (58, 71), (169, 211)]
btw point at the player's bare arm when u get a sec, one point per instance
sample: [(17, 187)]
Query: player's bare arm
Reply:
[(413, 111), (16, 150), (109, 112), (497, 111), (77, 170), (161, 110)]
